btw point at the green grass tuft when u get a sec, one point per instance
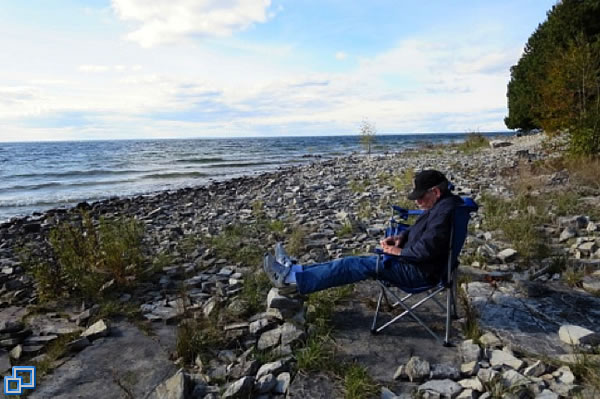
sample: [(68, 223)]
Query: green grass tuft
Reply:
[(358, 384), (86, 255), (198, 337)]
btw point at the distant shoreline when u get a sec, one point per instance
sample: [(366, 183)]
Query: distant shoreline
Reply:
[(49, 188)]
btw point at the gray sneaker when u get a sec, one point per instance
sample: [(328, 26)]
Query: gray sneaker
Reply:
[(282, 257), (276, 271)]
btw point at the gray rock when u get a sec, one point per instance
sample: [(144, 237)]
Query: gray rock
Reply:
[(96, 330), (387, 394), (587, 248), (535, 370), (499, 143), (84, 316), (129, 359), (472, 383), (470, 351), (269, 339), (512, 378), (443, 371), (10, 326), (500, 358), (259, 326), (445, 388), (490, 340), (174, 387), (210, 306), (507, 255), (15, 353), (283, 383), (469, 369), (272, 368), (40, 340), (283, 303), (417, 369), (467, 394), (577, 222), (243, 369), (226, 356), (591, 283), (486, 375), (565, 376), (265, 384), (567, 233), (240, 388), (291, 334), (546, 394), (591, 340), (572, 334)]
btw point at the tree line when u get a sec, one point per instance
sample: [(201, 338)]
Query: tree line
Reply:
[(555, 86)]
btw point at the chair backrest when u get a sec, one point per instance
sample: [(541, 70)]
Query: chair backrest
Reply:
[(462, 215)]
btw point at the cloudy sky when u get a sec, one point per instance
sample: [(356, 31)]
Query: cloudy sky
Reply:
[(121, 69)]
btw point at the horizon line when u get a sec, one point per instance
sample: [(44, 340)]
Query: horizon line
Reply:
[(248, 137)]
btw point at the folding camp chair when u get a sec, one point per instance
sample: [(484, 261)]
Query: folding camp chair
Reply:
[(447, 282)]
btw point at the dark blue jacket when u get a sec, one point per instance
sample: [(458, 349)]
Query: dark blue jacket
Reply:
[(428, 240)]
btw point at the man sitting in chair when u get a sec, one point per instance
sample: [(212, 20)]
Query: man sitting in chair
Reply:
[(421, 250)]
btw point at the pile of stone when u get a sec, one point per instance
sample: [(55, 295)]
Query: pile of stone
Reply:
[(274, 331), (270, 379), (488, 371), (201, 292)]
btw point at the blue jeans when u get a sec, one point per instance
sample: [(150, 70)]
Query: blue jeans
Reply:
[(352, 269)]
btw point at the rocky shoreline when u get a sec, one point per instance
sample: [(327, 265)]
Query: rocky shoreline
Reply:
[(522, 311)]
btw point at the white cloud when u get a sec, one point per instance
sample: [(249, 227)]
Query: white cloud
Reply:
[(340, 55), (419, 85), (93, 68), (20, 101), (164, 21)]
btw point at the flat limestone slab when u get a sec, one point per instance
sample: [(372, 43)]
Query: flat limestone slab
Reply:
[(381, 354), (125, 364), (528, 316)]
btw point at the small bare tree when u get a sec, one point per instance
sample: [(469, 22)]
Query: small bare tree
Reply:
[(367, 134)]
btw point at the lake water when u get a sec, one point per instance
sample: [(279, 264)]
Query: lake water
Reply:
[(37, 176)]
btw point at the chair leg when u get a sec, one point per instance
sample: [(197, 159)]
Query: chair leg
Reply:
[(449, 301), (408, 310), (453, 287), (374, 325)]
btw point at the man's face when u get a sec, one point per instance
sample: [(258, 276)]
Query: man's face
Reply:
[(428, 200)]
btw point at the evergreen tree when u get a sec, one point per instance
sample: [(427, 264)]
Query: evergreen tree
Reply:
[(556, 83)]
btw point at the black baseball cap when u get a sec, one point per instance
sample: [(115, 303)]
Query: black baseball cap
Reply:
[(425, 180)]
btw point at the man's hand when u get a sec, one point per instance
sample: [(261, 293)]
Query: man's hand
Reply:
[(391, 245)]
